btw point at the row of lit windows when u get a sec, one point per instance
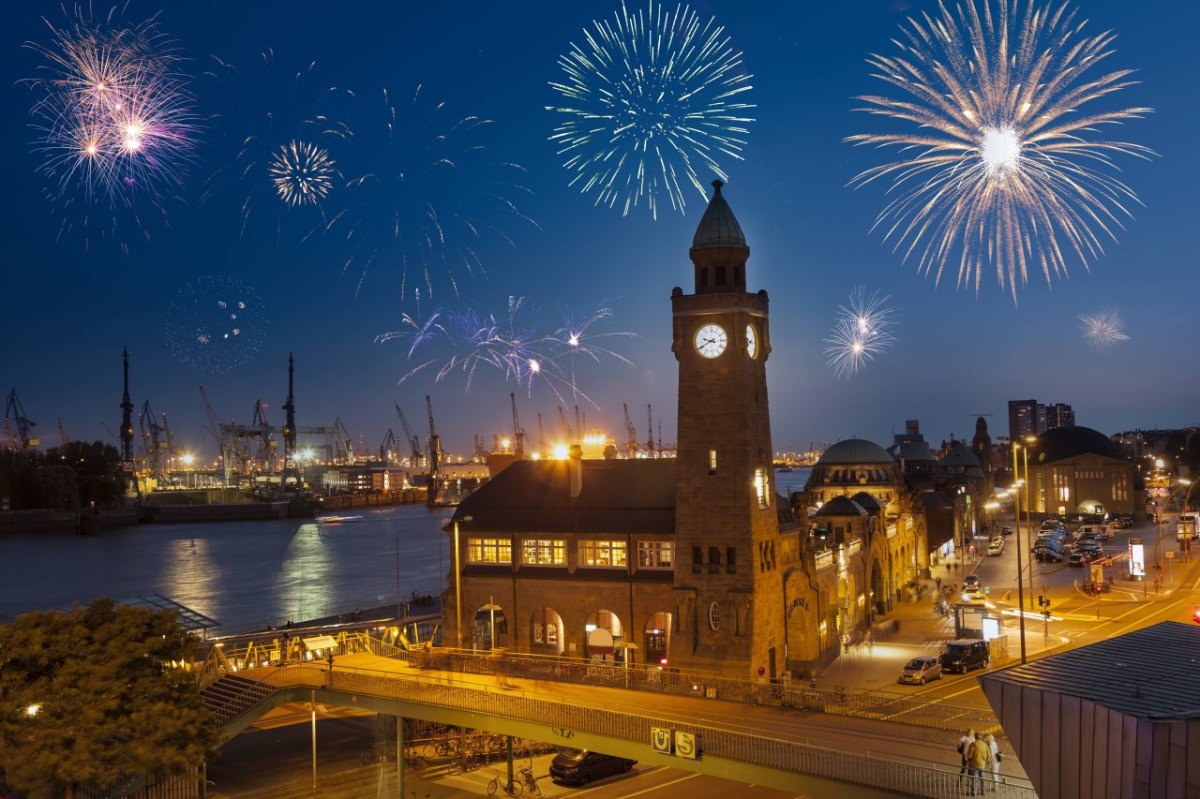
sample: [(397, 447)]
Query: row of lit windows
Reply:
[(593, 553)]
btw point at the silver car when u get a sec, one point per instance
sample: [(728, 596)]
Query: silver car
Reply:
[(919, 671)]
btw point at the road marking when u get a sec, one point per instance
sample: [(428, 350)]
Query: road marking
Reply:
[(643, 791)]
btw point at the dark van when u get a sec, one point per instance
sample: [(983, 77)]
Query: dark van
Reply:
[(579, 766), (965, 654)]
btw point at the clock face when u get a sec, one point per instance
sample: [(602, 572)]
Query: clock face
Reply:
[(751, 342), (711, 340)]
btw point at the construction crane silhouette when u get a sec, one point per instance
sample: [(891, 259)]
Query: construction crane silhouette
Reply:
[(14, 414), (631, 442), (518, 431), (413, 441)]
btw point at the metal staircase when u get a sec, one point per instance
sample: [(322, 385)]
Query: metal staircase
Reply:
[(231, 696)]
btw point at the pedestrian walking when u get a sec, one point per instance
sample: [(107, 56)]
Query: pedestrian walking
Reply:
[(964, 743), (938, 583), (871, 642), (978, 755), (997, 756)]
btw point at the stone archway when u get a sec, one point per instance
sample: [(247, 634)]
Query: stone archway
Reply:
[(877, 595), (602, 645), (546, 632), (488, 619), (656, 638)]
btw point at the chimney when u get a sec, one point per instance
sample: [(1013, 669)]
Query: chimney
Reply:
[(575, 470)]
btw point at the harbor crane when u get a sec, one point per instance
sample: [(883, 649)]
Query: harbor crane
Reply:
[(518, 431), (413, 441), (62, 435), (562, 418), (435, 445), (541, 436), (343, 441), (650, 429), (14, 414), (631, 442), (155, 448), (388, 449)]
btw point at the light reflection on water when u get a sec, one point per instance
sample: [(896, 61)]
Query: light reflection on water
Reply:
[(244, 574)]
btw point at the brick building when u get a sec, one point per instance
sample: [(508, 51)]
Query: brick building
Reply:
[(687, 560)]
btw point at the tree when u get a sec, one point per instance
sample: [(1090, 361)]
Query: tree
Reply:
[(96, 696)]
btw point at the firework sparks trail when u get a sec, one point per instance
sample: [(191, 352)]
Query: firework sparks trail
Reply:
[(114, 117), (215, 324), (514, 343), (275, 142), (1103, 329), (425, 194), (650, 98), (1002, 169), (861, 332)]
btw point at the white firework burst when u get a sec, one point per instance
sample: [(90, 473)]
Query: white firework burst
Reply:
[(1003, 168), (652, 96), (1103, 329), (302, 173), (862, 331)]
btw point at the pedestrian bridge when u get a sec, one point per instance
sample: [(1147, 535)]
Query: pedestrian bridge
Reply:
[(759, 744)]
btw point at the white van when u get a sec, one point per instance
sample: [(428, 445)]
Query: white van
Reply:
[(1103, 530)]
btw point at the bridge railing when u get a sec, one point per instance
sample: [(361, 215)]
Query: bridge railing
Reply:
[(878, 705), (862, 767)]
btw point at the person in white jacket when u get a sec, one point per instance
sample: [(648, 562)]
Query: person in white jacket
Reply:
[(994, 760)]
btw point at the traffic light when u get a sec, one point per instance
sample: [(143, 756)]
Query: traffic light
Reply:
[(1196, 614)]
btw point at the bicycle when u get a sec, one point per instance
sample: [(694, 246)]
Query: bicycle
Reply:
[(510, 788), (372, 755), (530, 781)]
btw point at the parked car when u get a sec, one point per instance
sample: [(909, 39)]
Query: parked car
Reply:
[(973, 595), (1048, 554), (996, 547), (579, 766), (919, 671), (965, 654), (1006, 530), (1085, 556), (971, 579)]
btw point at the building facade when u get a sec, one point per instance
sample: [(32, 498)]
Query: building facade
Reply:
[(679, 561), (1080, 470)]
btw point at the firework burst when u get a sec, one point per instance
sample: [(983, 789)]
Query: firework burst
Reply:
[(650, 98), (862, 331), (1103, 329), (274, 142), (114, 118), (424, 196), (215, 324), (515, 343), (302, 173), (1002, 169)]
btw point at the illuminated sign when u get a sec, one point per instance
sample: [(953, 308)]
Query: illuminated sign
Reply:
[(1137, 558)]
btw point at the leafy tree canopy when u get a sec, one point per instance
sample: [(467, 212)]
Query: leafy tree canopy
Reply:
[(95, 695)]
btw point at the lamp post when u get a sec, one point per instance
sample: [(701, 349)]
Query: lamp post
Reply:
[(458, 583), (491, 607), (1029, 440), (1020, 567)]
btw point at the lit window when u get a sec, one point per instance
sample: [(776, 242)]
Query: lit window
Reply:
[(604, 554), (489, 550), (552, 633), (656, 554), (762, 488), (712, 461), (544, 552)]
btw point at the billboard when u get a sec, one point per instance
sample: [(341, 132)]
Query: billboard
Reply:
[(1137, 558)]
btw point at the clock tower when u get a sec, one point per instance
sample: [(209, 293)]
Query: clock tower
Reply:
[(728, 594)]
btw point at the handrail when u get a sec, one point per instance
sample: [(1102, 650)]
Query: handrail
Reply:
[(878, 770)]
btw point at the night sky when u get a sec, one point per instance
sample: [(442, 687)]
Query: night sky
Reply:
[(68, 310)]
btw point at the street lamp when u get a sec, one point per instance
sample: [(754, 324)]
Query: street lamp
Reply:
[(491, 607), (458, 582), (1020, 567)]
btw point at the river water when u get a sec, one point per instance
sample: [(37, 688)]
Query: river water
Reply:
[(245, 575)]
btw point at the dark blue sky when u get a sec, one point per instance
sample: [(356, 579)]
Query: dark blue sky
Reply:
[(68, 311)]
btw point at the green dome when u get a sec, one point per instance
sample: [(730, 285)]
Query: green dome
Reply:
[(854, 451)]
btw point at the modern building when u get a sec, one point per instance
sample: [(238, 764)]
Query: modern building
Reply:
[(683, 561), (1031, 418), (1059, 414), (1080, 470)]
